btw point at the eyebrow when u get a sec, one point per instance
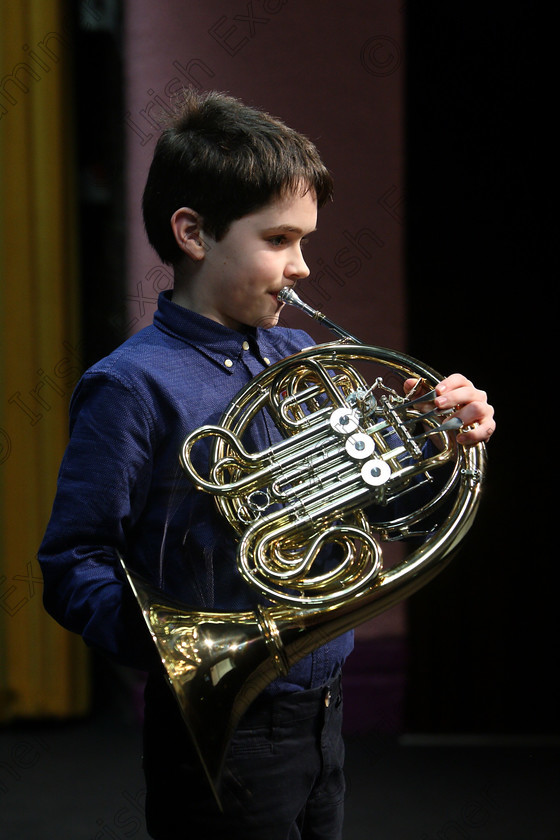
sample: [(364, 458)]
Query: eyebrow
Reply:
[(290, 229)]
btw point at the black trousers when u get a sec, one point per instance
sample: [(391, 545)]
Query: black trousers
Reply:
[(283, 778)]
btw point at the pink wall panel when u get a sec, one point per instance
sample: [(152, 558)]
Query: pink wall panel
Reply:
[(336, 74)]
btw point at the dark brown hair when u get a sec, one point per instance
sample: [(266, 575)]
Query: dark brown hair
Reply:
[(224, 160)]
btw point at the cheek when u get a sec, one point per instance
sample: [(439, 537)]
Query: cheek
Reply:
[(266, 265)]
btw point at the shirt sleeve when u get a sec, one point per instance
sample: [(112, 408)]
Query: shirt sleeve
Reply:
[(102, 486)]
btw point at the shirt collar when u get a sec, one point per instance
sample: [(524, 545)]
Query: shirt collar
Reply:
[(216, 341)]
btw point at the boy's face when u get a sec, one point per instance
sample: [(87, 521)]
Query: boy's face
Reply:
[(241, 275)]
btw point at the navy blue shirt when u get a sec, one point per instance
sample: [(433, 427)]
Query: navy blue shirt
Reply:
[(122, 490)]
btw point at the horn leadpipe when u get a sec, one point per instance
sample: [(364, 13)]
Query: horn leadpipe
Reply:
[(287, 295)]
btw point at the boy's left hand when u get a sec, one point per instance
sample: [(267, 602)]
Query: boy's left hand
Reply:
[(469, 404)]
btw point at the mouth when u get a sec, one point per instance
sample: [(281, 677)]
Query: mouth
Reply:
[(275, 294)]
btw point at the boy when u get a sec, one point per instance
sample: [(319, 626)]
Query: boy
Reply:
[(231, 197)]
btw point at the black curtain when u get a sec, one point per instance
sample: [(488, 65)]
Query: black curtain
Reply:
[(100, 126), (484, 635)]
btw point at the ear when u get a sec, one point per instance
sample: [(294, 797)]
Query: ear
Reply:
[(187, 230)]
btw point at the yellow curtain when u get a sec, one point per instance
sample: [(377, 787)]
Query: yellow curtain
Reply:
[(43, 669)]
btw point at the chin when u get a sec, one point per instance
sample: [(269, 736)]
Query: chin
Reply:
[(267, 321)]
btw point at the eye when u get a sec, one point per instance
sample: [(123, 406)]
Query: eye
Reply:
[(278, 240)]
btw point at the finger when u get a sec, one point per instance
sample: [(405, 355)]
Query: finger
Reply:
[(417, 386), (476, 433), (477, 430), (477, 411), (459, 396), (456, 380)]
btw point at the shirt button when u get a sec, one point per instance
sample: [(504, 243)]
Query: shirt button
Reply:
[(228, 363), (266, 361), (245, 345)]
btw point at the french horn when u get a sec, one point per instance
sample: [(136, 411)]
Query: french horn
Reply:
[(360, 464)]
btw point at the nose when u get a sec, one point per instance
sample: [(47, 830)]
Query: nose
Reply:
[(296, 267)]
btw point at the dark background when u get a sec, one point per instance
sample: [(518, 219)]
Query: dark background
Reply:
[(484, 635)]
